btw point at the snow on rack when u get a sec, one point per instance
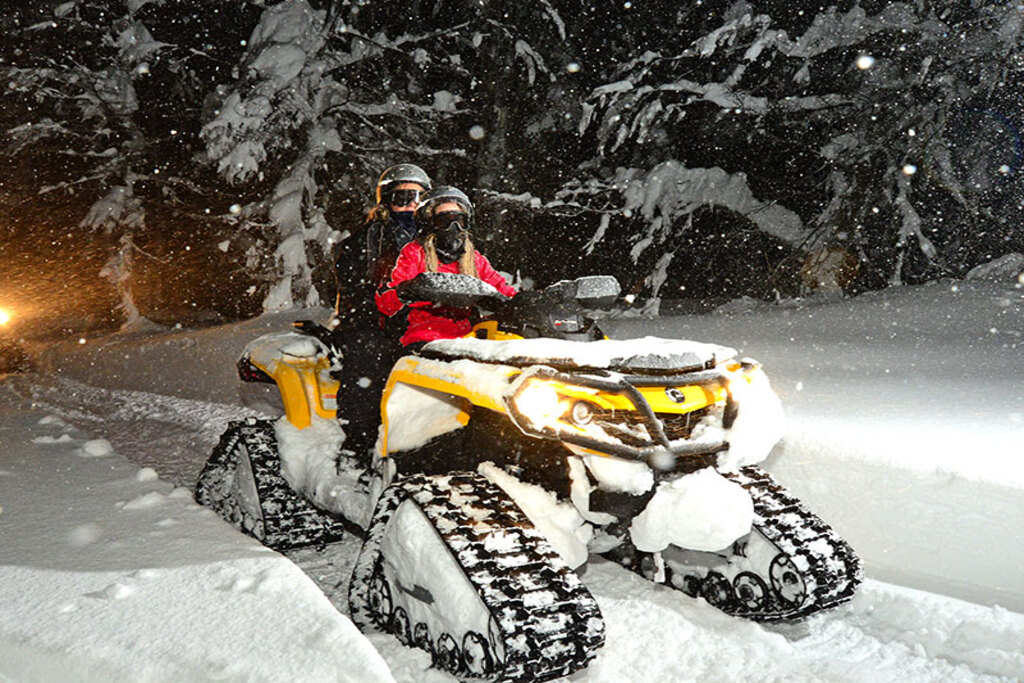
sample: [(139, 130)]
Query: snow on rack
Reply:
[(647, 353)]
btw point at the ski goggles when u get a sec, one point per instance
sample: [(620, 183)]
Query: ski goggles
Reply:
[(403, 197), (446, 219)]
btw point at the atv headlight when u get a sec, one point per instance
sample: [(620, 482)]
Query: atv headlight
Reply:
[(555, 407), (539, 403)]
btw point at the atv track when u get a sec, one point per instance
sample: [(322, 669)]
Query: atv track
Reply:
[(545, 623)]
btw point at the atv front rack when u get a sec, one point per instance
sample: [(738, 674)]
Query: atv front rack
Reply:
[(643, 436)]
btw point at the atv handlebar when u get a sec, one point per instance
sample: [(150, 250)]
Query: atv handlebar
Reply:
[(452, 290), (556, 311), (462, 291)]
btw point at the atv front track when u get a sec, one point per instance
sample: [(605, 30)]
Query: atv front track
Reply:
[(789, 566), (534, 620)]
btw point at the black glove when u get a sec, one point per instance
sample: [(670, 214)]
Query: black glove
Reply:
[(409, 290)]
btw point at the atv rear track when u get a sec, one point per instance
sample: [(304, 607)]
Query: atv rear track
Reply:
[(242, 482)]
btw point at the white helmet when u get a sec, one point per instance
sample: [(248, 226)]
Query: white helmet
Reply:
[(442, 194)]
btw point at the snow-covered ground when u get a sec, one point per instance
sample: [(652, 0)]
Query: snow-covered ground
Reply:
[(109, 572), (905, 424), (905, 431)]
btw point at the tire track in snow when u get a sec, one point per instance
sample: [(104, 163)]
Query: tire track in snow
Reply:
[(174, 436)]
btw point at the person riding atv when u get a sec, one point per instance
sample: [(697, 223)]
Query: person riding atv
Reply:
[(361, 266), (443, 245)]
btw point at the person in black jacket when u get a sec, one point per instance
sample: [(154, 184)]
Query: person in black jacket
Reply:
[(366, 339), (363, 265)]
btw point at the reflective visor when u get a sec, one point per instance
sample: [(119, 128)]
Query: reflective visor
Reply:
[(403, 197)]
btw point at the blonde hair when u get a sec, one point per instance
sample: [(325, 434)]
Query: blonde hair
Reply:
[(378, 212), (467, 264)]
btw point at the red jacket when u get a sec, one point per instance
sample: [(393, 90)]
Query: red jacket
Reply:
[(427, 322)]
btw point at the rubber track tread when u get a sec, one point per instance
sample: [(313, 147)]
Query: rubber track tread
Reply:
[(289, 520), (833, 571), (550, 622)]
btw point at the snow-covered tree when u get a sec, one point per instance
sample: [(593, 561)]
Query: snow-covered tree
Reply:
[(842, 127), (88, 101), (325, 99), (707, 149), (96, 129)]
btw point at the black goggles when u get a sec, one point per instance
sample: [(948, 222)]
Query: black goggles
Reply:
[(446, 219), (403, 197)]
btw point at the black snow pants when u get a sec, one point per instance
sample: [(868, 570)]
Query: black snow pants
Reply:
[(368, 352)]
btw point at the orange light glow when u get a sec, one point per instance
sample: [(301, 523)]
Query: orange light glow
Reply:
[(5, 317)]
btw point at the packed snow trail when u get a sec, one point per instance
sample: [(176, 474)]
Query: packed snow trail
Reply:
[(885, 633)]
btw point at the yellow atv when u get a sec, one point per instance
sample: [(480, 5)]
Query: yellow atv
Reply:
[(505, 459)]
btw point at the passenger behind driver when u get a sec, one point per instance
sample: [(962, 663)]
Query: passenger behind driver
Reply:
[(364, 261), (443, 219), (361, 266)]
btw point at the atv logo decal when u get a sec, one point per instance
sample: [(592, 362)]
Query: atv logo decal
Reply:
[(675, 395)]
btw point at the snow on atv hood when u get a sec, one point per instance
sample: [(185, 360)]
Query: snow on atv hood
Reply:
[(645, 354)]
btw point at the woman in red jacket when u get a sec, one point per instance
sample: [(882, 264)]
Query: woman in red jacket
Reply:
[(444, 218)]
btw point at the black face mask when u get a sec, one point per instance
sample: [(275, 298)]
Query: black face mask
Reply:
[(449, 242), (405, 226)]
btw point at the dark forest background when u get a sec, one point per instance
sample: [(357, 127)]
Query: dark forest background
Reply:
[(191, 162)]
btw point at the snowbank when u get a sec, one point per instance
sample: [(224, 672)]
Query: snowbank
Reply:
[(108, 573)]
